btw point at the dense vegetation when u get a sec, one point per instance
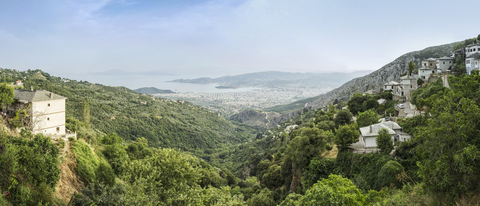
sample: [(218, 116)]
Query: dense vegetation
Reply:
[(303, 161), (164, 123)]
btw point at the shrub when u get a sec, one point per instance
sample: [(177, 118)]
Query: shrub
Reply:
[(388, 174), (335, 190)]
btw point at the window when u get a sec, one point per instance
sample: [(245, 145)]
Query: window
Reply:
[(450, 62), (433, 72), (468, 61), (48, 104), (58, 129), (430, 64), (48, 118), (443, 62)]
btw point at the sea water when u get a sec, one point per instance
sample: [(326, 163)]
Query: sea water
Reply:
[(158, 81)]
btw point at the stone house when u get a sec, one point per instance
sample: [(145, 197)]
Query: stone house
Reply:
[(45, 111), (445, 63), (369, 134), (389, 85), (403, 91), (428, 68)]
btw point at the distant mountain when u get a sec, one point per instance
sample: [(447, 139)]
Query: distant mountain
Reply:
[(279, 79), (153, 90), (118, 72)]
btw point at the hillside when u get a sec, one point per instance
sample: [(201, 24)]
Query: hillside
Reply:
[(389, 72), (164, 123)]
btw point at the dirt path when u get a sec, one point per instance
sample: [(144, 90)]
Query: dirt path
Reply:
[(69, 181), (445, 81)]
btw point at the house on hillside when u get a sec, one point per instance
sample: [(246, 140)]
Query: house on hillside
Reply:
[(472, 62), (445, 63), (471, 49), (389, 85), (429, 66), (369, 134), (403, 91), (45, 111)]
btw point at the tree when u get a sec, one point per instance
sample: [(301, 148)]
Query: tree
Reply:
[(420, 82), (371, 103), (384, 141), (309, 144), (264, 198), (459, 69), (346, 135), (105, 174), (388, 175), (331, 108), (449, 154), (7, 95), (85, 113), (335, 190), (355, 104), (367, 118), (411, 67)]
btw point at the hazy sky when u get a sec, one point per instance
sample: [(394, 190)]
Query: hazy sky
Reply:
[(73, 38)]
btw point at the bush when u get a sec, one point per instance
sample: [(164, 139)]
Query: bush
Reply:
[(105, 174), (87, 162), (384, 141), (335, 190), (388, 175)]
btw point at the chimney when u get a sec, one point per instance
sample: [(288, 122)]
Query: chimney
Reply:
[(370, 128), (51, 95), (31, 88)]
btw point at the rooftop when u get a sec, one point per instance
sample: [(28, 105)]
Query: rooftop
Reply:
[(431, 59), (445, 58), (375, 128), (391, 83), (26, 96), (408, 77)]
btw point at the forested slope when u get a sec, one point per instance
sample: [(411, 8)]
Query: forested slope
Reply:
[(132, 115)]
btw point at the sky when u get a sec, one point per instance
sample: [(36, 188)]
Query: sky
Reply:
[(81, 38)]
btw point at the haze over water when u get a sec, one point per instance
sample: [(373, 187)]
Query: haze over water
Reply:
[(158, 81)]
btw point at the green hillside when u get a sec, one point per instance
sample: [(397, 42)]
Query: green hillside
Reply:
[(164, 123)]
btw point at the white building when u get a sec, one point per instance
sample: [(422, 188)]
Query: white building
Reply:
[(46, 111), (428, 68), (471, 49), (445, 63), (472, 62), (369, 134)]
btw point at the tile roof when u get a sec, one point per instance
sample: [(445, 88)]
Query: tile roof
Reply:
[(26, 96)]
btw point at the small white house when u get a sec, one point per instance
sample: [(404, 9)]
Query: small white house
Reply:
[(369, 134), (46, 111), (472, 48), (472, 62)]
